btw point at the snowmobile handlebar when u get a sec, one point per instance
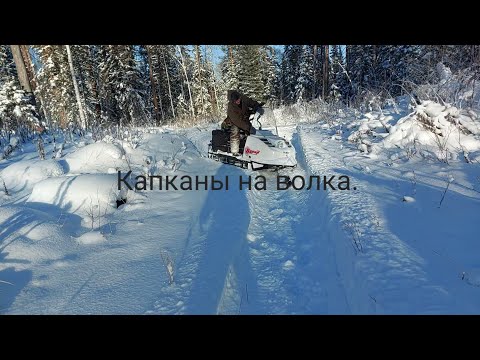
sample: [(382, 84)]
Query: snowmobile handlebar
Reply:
[(256, 116)]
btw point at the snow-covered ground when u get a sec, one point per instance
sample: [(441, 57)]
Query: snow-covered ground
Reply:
[(405, 241)]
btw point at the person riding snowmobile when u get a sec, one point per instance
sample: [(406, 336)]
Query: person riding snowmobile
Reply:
[(240, 107)]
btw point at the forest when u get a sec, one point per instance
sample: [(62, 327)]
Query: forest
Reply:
[(100, 86)]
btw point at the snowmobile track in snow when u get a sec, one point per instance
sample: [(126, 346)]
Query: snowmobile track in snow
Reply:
[(272, 254)]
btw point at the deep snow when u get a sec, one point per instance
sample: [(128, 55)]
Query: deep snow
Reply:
[(404, 242)]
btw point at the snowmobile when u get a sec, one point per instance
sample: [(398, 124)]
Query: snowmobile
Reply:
[(259, 150)]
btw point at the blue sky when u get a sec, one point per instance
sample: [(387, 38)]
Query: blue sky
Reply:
[(218, 53)]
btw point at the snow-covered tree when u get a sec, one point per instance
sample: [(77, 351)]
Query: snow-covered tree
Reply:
[(154, 88), (7, 66), (201, 95), (15, 107), (185, 66), (182, 107), (269, 72), (250, 71), (54, 83), (290, 66), (305, 81), (86, 59), (338, 78), (212, 80), (123, 91), (165, 80), (80, 102), (230, 67)]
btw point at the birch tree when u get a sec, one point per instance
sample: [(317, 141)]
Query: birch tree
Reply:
[(83, 120)]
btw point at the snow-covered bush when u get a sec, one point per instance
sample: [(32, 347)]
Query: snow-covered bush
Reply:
[(89, 195), (12, 145), (443, 129), (303, 112), (461, 88), (25, 174), (96, 158)]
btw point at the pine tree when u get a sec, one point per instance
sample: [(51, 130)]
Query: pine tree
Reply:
[(182, 107), (318, 68), (305, 82), (154, 88), (290, 66), (201, 96), (173, 75), (165, 80), (7, 66), (185, 66), (86, 61), (250, 71), (123, 91), (16, 108), (230, 67), (269, 72), (358, 64), (54, 83), (212, 81), (338, 79)]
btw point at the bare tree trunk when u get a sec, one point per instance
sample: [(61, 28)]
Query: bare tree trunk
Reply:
[(215, 93), (94, 88), (161, 106), (197, 58), (83, 120), (27, 60), (186, 79), (315, 52), (154, 90), (230, 54), (29, 66), (325, 73), (21, 69), (168, 84)]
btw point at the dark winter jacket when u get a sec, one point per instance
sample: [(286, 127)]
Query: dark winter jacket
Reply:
[(239, 114)]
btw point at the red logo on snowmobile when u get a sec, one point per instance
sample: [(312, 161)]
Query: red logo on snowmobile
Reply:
[(250, 151)]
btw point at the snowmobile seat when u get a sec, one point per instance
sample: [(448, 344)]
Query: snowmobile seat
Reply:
[(220, 140)]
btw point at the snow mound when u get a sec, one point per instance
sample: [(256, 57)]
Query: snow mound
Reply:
[(86, 195), (96, 158), (91, 237), (25, 174), (33, 236), (163, 152), (436, 126)]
